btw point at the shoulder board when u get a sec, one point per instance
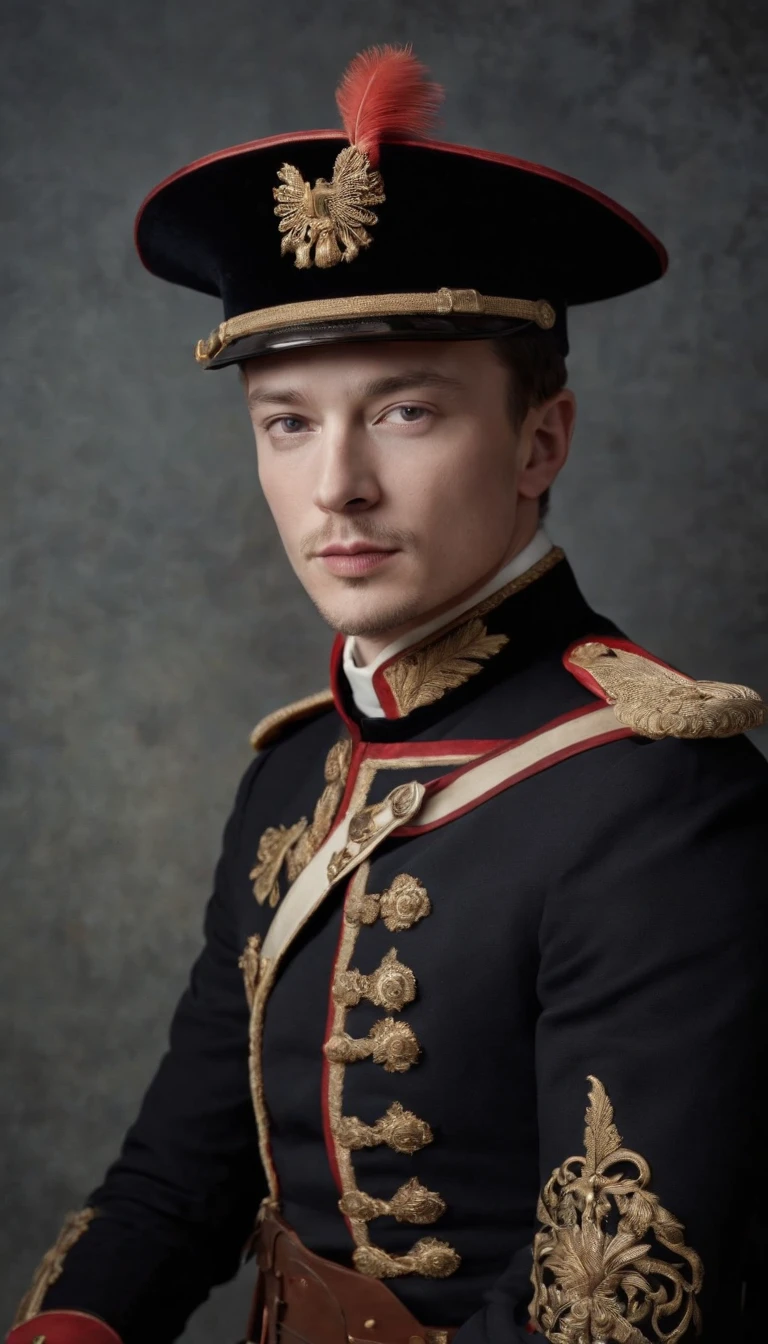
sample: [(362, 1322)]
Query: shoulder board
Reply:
[(655, 700), (271, 728)]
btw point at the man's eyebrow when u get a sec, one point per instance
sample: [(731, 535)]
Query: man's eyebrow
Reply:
[(405, 382), (286, 396), (377, 387)]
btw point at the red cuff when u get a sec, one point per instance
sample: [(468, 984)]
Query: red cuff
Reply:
[(63, 1327)]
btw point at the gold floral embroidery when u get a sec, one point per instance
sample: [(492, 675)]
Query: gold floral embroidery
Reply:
[(422, 677), (401, 906), (295, 845), (592, 1285), (336, 771), (400, 1130), (430, 1258), (389, 1043), (391, 986), (412, 1203), (392, 1044), (273, 848), (250, 963), (657, 702), (441, 662), (260, 994), (52, 1264)]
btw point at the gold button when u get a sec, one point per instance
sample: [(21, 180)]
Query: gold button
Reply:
[(369, 1324)]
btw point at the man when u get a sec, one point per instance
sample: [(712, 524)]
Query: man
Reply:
[(508, 868)]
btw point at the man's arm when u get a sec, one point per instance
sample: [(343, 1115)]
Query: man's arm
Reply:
[(175, 1210), (652, 984)]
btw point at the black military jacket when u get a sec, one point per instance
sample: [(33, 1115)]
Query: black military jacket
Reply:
[(427, 1047)]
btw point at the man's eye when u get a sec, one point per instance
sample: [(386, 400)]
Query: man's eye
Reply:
[(289, 424), (410, 414)]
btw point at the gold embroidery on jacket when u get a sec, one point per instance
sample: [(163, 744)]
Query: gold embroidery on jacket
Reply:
[(400, 1130), (294, 846), (430, 1258), (593, 1285), (336, 771), (401, 906), (250, 964), (389, 1043), (392, 1044), (442, 662), (422, 677), (657, 702), (412, 1203), (273, 848), (260, 991), (391, 986), (52, 1264)]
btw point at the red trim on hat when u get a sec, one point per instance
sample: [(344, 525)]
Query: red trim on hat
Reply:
[(64, 1327), (487, 155), (612, 642)]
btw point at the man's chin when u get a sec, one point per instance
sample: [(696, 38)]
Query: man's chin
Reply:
[(366, 615)]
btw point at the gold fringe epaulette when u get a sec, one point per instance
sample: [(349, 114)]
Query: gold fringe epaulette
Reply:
[(271, 728), (657, 702)]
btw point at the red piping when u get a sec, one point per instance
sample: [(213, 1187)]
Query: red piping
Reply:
[(487, 155)]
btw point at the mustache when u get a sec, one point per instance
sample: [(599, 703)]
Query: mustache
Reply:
[(363, 529)]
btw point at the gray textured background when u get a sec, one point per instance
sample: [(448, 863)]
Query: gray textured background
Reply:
[(150, 615)]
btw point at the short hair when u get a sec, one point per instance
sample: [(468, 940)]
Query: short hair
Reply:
[(537, 371)]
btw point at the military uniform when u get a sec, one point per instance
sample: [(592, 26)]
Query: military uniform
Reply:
[(501, 1059)]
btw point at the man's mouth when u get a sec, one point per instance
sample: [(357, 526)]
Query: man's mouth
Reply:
[(353, 559)]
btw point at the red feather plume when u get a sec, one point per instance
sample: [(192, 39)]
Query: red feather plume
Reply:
[(385, 94)]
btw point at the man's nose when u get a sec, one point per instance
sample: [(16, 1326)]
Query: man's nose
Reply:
[(347, 481)]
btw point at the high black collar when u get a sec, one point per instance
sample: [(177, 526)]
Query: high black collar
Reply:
[(435, 680)]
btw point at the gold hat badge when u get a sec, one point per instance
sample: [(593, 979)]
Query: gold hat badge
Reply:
[(384, 94)]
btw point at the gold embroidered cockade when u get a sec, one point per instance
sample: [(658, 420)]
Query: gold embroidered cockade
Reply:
[(599, 1264), (393, 1045), (294, 846), (326, 224), (52, 1264), (657, 702)]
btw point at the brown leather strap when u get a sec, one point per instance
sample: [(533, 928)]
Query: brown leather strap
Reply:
[(303, 1299)]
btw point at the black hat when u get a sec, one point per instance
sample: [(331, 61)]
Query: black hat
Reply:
[(377, 233)]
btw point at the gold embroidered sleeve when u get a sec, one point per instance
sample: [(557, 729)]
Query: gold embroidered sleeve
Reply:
[(52, 1264), (610, 1263)]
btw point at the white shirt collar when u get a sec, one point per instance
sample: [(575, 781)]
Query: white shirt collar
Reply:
[(361, 678)]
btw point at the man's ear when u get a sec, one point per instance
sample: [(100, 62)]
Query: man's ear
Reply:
[(545, 438)]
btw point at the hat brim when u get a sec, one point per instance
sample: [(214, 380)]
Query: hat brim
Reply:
[(366, 331)]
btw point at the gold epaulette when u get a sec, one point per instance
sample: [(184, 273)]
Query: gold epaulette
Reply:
[(270, 729), (655, 700)]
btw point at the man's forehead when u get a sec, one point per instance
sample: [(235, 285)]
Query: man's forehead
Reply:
[(365, 371)]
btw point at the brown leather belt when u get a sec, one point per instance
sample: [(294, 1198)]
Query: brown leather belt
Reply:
[(303, 1299)]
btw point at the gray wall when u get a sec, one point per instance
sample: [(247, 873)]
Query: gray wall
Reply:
[(151, 617)]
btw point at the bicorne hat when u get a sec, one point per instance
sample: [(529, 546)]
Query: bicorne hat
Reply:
[(379, 233)]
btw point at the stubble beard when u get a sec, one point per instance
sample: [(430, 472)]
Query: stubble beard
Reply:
[(370, 621), (371, 617)]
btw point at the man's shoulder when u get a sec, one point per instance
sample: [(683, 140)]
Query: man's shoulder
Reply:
[(283, 722)]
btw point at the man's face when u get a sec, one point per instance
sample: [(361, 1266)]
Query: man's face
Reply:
[(392, 473)]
